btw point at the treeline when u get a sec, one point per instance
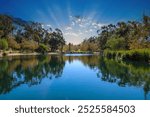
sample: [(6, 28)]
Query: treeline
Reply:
[(122, 36), (125, 35), (87, 46), (17, 34), (27, 36)]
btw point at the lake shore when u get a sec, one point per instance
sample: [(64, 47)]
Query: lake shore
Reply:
[(141, 55), (24, 54), (36, 53)]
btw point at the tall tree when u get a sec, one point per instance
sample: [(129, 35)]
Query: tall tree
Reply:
[(6, 26)]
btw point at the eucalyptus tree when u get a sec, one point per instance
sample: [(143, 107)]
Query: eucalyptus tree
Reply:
[(56, 40), (6, 26)]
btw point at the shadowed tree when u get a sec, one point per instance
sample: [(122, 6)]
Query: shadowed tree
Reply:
[(6, 26)]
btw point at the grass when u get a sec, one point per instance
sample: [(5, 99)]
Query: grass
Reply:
[(133, 55)]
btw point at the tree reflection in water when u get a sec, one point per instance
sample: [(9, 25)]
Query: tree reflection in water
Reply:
[(125, 73), (28, 70), (31, 70), (122, 73)]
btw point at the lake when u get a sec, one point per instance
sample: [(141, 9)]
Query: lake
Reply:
[(72, 77)]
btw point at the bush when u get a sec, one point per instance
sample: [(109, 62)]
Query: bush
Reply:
[(116, 43), (43, 48), (29, 45), (4, 54), (133, 55), (3, 44), (13, 44)]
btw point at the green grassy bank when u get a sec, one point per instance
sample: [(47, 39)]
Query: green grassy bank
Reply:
[(133, 55)]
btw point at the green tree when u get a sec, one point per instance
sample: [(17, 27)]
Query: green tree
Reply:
[(6, 26), (13, 44), (116, 43), (56, 40), (29, 45)]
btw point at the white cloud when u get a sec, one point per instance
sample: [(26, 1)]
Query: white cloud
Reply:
[(70, 34), (75, 28), (81, 25), (68, 28), (48, 25), (90, 30), (100, 25), (72, 23), (79, 20), (96, 27), (80, 28), (42, 26), (70, 17), (93, 24), (80, 33)]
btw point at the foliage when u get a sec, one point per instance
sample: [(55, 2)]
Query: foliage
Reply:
[(6, 26), (43, 48), (125, 35), (134, 55), (116, 43), (3, 44), (31, 67), (24, 35), (129, 35), (56, 40), (13, 44), (125, 74), (27, 35), (88, 45), (29, 45)]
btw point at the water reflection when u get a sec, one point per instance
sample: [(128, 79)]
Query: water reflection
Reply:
[(125, 73), (28, 70), (31, 70)]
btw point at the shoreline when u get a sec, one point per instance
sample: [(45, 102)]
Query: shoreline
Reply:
[(26, 54), (36, 53)]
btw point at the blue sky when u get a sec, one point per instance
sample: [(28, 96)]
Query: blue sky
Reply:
[(78, 19)]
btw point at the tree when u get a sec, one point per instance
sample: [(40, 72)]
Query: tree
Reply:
[(34, 31), (56, 40), (116, 43), (125, 35), (29, 45), (69, 47), (103, 36), (6, 26), (13, 44)]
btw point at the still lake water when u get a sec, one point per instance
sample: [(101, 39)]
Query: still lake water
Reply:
[(72, 78)]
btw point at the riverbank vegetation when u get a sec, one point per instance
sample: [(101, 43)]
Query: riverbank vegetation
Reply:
[(136, 55), (27, 36), (124, 40)]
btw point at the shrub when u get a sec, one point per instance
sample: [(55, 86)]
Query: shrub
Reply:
[(29, 45), (3, 44), (13, 44), (43, 48), (133, 55), (116, 43), (4, 53)]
